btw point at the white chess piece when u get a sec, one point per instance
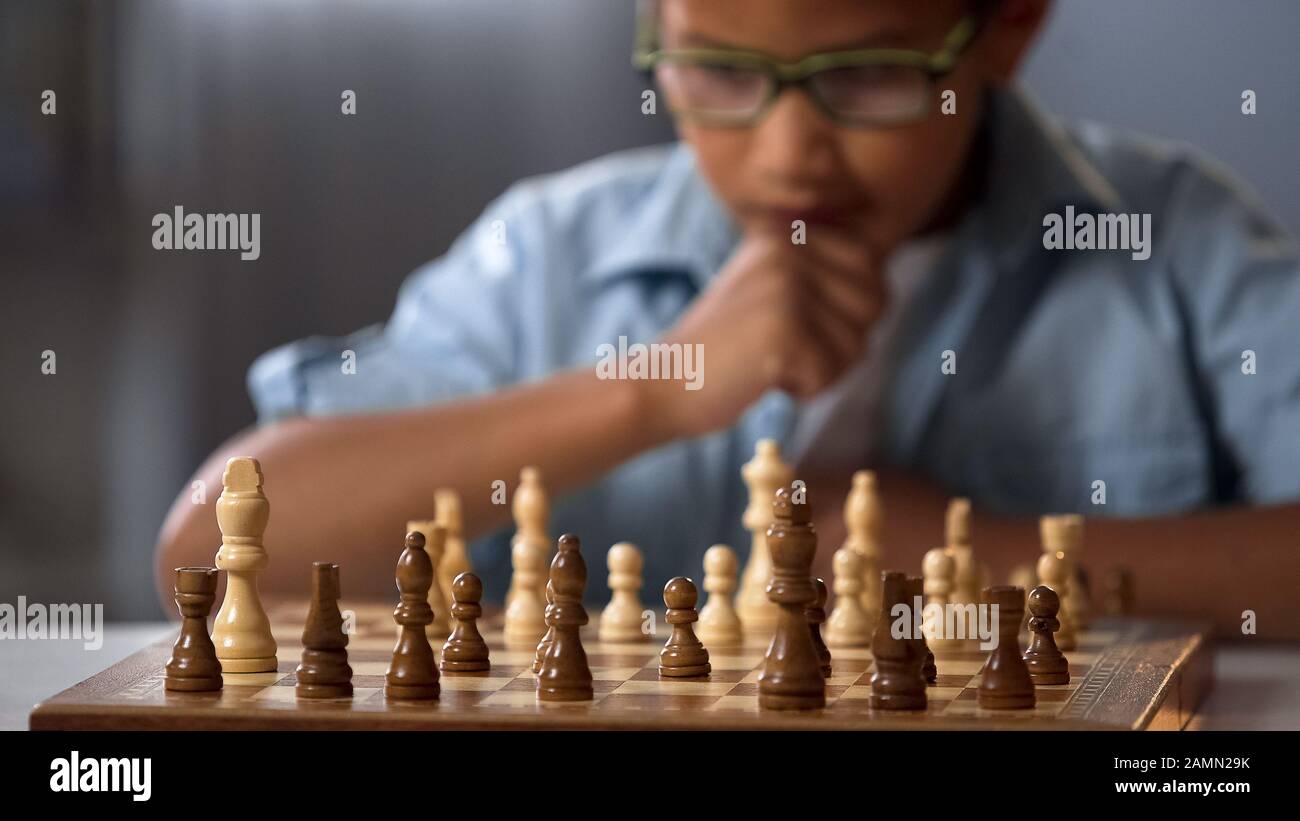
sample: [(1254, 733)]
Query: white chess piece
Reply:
[(525, 621), (848, 625), (435, 537), (532, 512), (1066, 535), (863, 522), (1054, 571), (623, 617), (455, 558), (719, 624), (242, 632), (938, 569), (763, 475), (957, 539)]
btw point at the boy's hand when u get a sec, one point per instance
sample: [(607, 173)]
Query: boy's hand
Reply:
[(778, 315)]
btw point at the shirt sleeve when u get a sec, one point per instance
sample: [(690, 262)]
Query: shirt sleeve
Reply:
[(1238, 276), (454, 332)]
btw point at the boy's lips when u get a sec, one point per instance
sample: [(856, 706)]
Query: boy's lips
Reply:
[(814, 215)]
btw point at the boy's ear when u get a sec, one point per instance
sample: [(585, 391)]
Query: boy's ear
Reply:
[(1008, 32)]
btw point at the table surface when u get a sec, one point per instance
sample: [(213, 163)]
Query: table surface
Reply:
[(1255, 687)]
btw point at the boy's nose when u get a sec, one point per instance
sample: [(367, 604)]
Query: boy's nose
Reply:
[(795, 139)]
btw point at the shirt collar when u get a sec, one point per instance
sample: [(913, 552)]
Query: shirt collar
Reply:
[(682, 226)]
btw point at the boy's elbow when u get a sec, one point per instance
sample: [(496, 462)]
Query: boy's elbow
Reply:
[(189, 538)]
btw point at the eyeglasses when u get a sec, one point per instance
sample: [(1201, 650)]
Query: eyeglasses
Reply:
[(863, 88)]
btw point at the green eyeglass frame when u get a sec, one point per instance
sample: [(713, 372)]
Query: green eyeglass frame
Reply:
[(648, 56)]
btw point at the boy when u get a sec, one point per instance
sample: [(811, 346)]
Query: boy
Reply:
[(852, 233)]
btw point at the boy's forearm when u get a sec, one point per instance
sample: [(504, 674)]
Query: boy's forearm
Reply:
[(1213, 564), (342, 488)]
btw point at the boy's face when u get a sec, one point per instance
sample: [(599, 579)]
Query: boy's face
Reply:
[(886, 183)]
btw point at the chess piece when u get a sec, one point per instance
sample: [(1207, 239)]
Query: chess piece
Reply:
[(816, 614), (525, 621), (848, 625), (565, 674), (324, 671), (545, 643), (863, 524), (915, 600), (763, 475), (683, 656), (1005, 683), (622, 618), (1119, 595), (1045, 661), (1064, 534), (242, 632), (435, 538), (897, 683), (1054, 571), (792, 676), (719, 626), (193, 666), (412, 673), (465, 650), (455, 558), (957, 539), (532, 513), (942, 633)]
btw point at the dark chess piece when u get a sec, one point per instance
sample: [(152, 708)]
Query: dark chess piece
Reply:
[(193, 666), (683, 656), (324, 671), (816, 614), (565, 674), (898, 683), (915, 599), (465, 650), (545, 643), (1046, 663), (792, 673), (412, 674), (1005, 683)]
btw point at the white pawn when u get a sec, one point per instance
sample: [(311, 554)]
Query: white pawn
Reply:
[(1054, 571), (719, 624), (849, 624), (242, 632), (435, 536), (623, 617), (937, 571), (525, 622)]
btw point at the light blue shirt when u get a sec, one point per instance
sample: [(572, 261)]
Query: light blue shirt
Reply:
[(1072, 367)]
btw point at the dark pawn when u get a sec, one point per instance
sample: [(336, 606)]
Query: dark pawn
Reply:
[(193, 666), (324, 670), (897, 683), (1005, 683), (915, 593), (1046, 663), (816, 614), (565, 674), (683, 656), (465, 650), (545, 643), (412, 674), (792, 673)]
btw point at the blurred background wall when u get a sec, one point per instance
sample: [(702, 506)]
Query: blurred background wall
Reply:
[(234, 106)]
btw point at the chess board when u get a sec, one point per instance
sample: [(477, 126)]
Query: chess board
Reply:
[(1125, 674)]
